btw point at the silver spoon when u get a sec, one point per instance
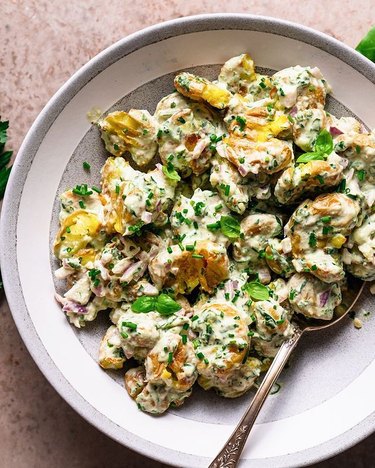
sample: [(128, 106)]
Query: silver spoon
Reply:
[(230, 454)]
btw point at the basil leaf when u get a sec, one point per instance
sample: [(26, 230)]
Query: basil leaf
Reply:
[(257, 291), (144, 304), (304, 158), (230, 227), (367, 45), (165, 305), (170, 173), (324, 143)]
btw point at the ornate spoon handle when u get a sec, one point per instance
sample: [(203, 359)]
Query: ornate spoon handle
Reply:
[(230, 454)]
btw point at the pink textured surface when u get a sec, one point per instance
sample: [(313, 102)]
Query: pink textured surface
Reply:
[(42, 43)]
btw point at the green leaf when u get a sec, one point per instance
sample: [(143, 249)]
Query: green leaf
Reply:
[(306, 157), (230, 227), (3, 131), (4, 176), (165, 305), (5, 158), (144, 304), (170, 173), (367, 45), (324, 143), (257, 291)]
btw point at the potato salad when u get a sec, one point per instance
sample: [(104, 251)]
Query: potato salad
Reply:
[(238, 203)]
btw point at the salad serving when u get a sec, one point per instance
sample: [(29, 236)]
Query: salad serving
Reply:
[(237, 204)]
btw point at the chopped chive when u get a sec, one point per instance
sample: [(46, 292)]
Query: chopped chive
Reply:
[(82, 205), (197, 256), (169, 249), (200, 356), (117, 189), (170, 358), (196, 317), (190, 247), (96, 189), (131, 325), (213, 226), (326, 219), (184, 339), (86, 166)]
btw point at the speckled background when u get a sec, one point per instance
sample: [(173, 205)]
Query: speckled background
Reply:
[(41, 44)]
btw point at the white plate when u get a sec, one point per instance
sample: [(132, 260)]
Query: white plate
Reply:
[(326, 402)]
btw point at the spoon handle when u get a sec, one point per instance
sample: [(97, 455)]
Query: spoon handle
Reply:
[(230, 454)]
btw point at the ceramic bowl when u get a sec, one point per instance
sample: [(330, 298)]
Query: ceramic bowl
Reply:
[(326, 401)]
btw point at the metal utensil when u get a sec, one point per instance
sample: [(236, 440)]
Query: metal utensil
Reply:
[(230, 454)]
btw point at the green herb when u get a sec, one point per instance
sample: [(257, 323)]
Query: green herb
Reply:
[(170, 173), (342, 186), (320, 179), (324, 143), (173, 105), (213, 226), (169, 249), (184, 339), (322, 148), (181, 120), (361, 174), (93, 273), (117, 189), (257, 291), (326, 219), (314, 267), (82, 205), (306, 157), (226, 190), (327, 230), (196, 256), (200, 356), (82, 190), (144, 304), (196, 317), (198, 207), (190, 247), (241, 122), (312, 240), (367, 45), (170, 358), (131, 325), (5, 157), (230, 227), (96, 189), (292, 294), (165, 305), (86, 166)]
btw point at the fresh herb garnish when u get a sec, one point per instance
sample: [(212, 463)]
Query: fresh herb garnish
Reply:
[(367, 45), (170, 173), (163, 304), (257, 291), (322, 148), (5, 157), (82, 190), (230, 227)]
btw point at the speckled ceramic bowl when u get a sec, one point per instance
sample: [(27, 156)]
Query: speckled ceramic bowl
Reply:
[(326, 401)]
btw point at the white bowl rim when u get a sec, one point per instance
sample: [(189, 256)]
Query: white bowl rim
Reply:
[(29, 147)]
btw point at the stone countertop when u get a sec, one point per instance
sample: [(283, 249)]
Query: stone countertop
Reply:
[(42, 43)]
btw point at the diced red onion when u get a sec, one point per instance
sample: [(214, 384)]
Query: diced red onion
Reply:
[(323, 298), (75, 308), (293, 111), (242, 170), (334, 131), (146, 217)]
